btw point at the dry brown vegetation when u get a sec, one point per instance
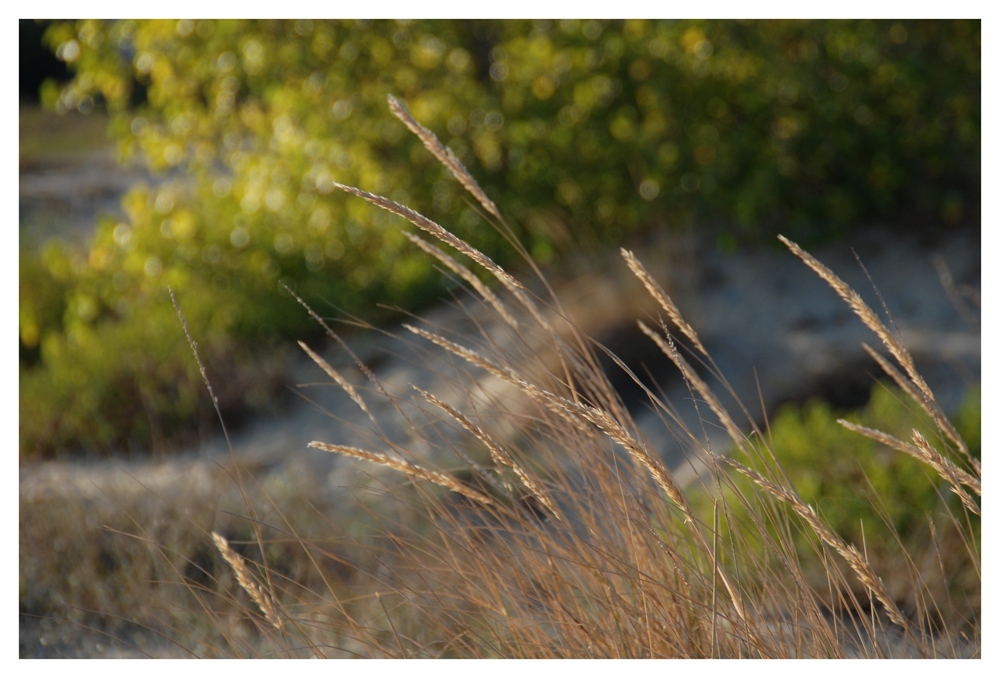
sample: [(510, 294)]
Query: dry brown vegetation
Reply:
[(561, 532), (590, 547)]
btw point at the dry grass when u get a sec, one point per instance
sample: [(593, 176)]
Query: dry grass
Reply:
[(590, 548), (560, 532), (129, 557)]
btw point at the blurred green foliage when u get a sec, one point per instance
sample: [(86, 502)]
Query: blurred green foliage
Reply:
[(582, 131), (858, 484), (104, 360)]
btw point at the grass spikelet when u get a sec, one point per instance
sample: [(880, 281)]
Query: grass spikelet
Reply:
[(946, 468), (566, 409), (442, 234), (640, 452), (863, 311), (245, 580), (409, 469), (697, 382), (444, 155), (949, 472), (336, 337), (925, 453), (930, 408), (662, 298), (850, 553), (466, 354), (350, 390), (466, 275), (498, 454)]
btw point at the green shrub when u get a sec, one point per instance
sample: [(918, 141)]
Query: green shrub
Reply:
[(105, 364), (809, 125)]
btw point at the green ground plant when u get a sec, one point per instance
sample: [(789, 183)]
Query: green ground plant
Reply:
[(868, 493), (806, 126)]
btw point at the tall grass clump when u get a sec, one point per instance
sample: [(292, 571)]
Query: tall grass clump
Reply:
[(558, 531)]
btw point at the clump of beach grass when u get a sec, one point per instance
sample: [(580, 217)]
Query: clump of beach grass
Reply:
[(564, 534)]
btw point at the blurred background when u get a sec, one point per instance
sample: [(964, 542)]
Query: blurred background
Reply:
[(201, 155)]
